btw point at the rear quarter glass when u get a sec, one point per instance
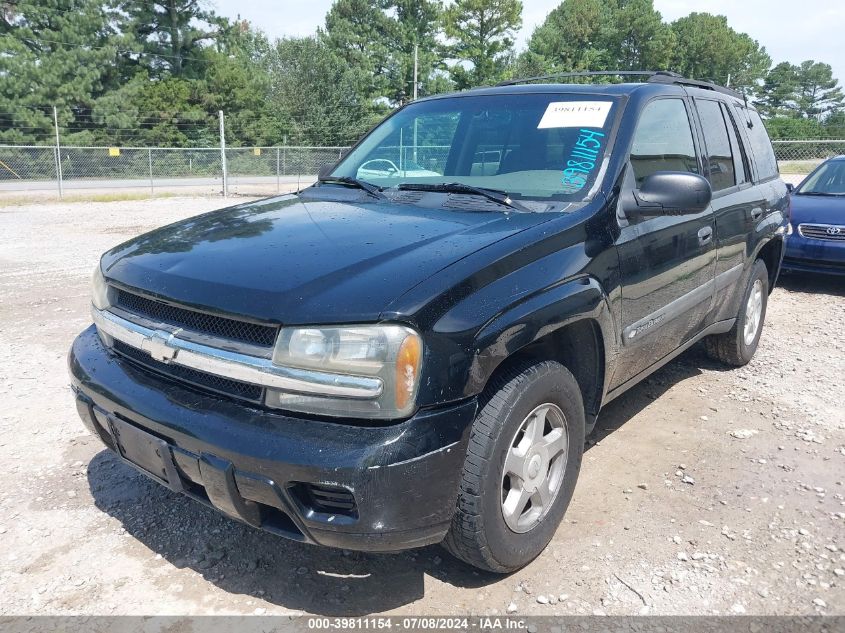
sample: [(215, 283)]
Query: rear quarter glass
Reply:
[(539, 146)]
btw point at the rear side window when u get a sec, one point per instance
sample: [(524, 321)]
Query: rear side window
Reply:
[(761, 146), (663, 140), (719, 153)]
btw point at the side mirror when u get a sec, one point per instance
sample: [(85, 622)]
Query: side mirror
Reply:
[(790, 187), (670, 193), (325, 170)]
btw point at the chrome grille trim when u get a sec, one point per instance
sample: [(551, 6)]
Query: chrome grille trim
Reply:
[(827, 232), (200, 379), (167, 347)]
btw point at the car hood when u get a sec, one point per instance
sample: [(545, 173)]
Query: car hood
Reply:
[(818, 209), (295, 261)]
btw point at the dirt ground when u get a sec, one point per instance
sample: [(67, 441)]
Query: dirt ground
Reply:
[(704, 491)]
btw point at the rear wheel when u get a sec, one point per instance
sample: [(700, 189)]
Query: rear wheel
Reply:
[(737, 346), (522, 463)]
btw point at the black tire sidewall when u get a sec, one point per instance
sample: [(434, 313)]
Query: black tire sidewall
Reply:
[(553, 384)]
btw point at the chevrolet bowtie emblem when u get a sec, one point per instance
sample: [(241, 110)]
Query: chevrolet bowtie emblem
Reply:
[(159, 348)]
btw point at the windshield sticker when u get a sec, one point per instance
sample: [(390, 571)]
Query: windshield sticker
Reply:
[(582, 160), (575, 114)]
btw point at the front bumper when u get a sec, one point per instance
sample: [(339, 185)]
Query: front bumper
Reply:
[(259, 466), (813, 255)]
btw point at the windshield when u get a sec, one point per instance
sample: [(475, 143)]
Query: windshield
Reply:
[(829, 179), (539, 146)]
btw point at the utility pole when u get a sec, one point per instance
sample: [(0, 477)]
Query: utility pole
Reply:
[(58, 153), (223, 155), (416, 69)]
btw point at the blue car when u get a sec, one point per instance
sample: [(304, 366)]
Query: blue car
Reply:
[(817, 243)]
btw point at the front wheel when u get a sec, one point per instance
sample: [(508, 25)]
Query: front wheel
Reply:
[(737, 346), (522, 463)]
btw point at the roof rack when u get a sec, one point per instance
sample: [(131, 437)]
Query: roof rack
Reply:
[(654, 77)]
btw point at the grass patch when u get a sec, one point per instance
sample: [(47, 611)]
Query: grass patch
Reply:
[(94, 197), (802, 167)]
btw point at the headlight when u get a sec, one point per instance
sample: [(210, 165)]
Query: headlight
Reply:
[(100, 291), (390, 353)]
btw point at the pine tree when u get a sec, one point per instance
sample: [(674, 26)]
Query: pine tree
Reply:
[(172, 34), (481, 33), (56, 53), (577, 35), (818, 91), (707, 48), (416, 27), (358, 33), (642, 41)]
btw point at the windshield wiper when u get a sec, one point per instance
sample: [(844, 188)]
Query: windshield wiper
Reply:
[(370, 188), (496, 195), (819, 193)]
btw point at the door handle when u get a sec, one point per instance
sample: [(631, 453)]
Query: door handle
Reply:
[(705, 234), (756, 213)]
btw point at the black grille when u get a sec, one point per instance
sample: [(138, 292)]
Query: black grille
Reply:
[(254, 333), (218, 384)]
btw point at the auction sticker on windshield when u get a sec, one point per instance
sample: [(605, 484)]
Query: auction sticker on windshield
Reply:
[(575, 114), (582, 160)]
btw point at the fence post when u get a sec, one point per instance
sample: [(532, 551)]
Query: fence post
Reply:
[(58, 154), (150, 158), (278, 187), (223, 155)]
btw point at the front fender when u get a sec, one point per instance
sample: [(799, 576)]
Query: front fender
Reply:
[(538, 316)]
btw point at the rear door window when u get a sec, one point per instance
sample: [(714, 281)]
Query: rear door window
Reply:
[(743, 172), (663, 140), (720, 157)]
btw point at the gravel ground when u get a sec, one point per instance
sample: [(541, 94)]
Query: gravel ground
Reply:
[(704, 491)]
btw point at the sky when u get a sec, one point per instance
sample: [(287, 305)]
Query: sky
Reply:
[(811, 29)]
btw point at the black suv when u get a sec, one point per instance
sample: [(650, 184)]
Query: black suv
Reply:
[(413, 349)]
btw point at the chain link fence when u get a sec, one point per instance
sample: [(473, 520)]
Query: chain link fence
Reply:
[(250, 170), (801, 157)]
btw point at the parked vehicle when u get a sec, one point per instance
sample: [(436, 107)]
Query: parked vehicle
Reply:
[(817, 242), (413, 359)]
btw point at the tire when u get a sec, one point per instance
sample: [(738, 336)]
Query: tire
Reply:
[(544, 393), (734, 347)]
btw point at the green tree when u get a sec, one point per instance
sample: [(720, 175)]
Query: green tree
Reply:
[(790, 127), (576, 35), (416, 27), (171, 34), (818, 91), (59, 54), (179, 111), (481, 33), (641, 40), (707, 48), (318, 99), (777, 96), (358, 32)]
